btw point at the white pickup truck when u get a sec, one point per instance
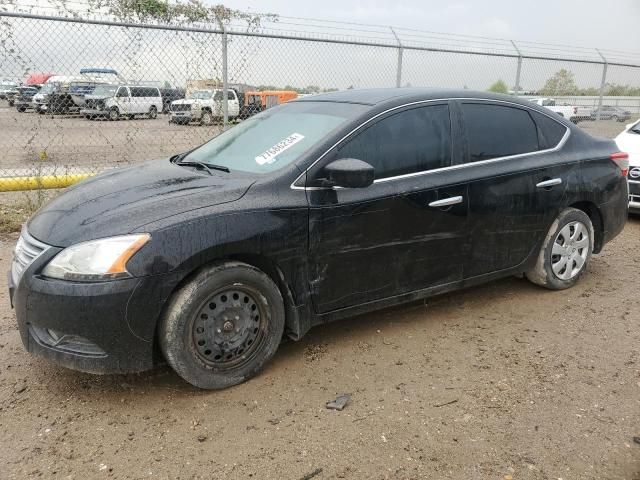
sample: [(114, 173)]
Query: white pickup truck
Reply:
[(203, 106), (571, 112)]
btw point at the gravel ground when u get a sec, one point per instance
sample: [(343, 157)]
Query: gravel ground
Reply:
[(507, 380), (501, 381)]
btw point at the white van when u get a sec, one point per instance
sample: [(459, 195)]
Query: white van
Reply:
[(114, 101)]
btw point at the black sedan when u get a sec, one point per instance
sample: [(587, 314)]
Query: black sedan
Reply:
[(312, 211)]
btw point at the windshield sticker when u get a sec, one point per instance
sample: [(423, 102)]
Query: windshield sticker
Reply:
[(269, 156)]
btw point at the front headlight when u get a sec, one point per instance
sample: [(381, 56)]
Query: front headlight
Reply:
[(96, 260)]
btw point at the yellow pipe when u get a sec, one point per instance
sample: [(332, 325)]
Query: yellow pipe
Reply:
[(16, 184)]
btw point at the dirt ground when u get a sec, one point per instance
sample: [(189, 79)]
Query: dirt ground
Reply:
[(506, 379), (499, 381)]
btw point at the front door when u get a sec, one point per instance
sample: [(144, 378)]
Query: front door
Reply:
[(404, 233), (123, 100)]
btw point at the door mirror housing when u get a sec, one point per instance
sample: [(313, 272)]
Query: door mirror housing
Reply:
[(349, 173)]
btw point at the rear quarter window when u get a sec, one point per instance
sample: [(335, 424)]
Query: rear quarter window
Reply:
[(550, 132)]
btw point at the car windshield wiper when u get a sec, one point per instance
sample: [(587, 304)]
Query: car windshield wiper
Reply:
[(207, 166)]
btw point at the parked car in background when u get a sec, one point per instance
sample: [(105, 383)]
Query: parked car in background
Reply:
[(629, 141), (116, 101), (573, 113), (55, 97), (311, 211), (7, 89), (204, 106), (257, 101), (609, 112), (169, 95), (11, 96), (23, 100)]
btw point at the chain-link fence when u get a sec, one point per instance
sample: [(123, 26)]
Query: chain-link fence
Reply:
[(82, 94)]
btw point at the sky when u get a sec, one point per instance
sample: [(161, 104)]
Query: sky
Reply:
[(611, 24)]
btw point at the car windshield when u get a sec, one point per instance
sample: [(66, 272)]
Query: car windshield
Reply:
[(276, 137), (49, 87), (201, 94), (105, 90)]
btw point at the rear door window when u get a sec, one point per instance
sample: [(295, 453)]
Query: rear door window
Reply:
[(411, 141), (498, 131)]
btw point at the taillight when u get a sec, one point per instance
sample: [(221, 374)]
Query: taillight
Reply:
[(622, 160)]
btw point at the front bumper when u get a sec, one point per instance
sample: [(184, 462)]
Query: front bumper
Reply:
[(187, 115), (634, 196), (105, 327)]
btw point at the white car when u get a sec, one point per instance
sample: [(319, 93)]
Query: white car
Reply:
[(113, 102), (570, 112), (629, 141), (204, 106)]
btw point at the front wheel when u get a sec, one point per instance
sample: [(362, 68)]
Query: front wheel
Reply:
[(566, 251), (223, 326), (153, 112), (206, 118), (114, 114)]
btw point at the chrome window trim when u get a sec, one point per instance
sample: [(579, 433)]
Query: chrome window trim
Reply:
[(634, 181), (560, 144)]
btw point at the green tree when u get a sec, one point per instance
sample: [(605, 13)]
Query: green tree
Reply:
[(164, 11), (499, 87), (560, 83)]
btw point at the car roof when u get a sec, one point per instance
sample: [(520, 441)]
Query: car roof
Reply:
[(390, 96)]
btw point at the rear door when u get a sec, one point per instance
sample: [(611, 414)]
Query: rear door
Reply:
[(506, 219), (407, 231)]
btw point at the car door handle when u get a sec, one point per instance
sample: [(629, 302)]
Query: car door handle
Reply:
[(445, 202), (549, 183)]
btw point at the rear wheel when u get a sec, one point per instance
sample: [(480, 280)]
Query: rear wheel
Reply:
[(223, 326), (153, 112), (114, 114), (21, 109), (615, 118), (566, 251)]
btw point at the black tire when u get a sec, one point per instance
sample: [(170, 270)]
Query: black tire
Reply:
[(114, 114), (21, 109), (615, 118), (206, 118), (231, 296), (549, 270), (153, 112)]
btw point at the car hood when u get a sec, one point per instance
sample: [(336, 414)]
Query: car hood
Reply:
[(121, 201)]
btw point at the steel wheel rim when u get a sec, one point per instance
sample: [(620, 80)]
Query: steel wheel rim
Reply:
[(207, 118), (570, 250), (229, 328)]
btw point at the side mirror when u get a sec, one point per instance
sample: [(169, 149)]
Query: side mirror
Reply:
[(349, 173)]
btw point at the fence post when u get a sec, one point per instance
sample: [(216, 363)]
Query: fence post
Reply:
[(602, 84), (516, 87), (225, 80), (399, 66)]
